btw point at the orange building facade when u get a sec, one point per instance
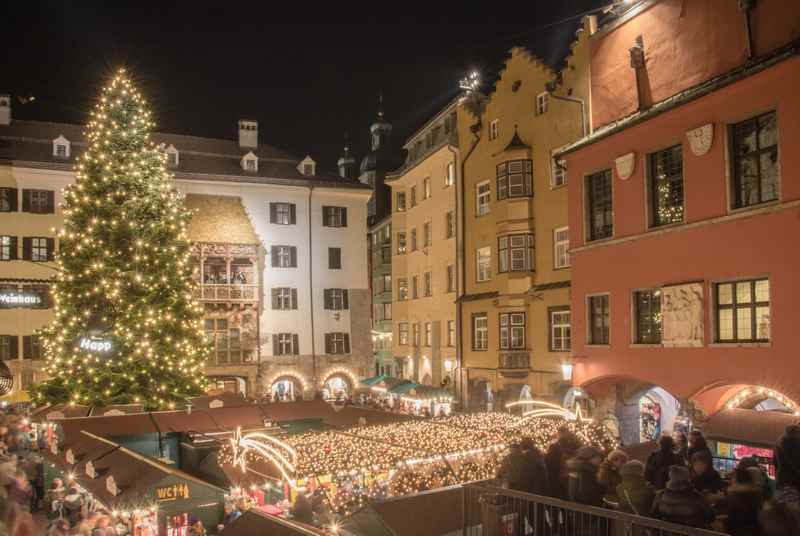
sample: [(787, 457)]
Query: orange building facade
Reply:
[(684, 216)]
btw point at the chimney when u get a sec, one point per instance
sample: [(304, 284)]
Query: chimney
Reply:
[(5, 109), (248, 134)]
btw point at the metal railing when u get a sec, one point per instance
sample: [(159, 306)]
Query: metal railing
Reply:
[(489, 510)]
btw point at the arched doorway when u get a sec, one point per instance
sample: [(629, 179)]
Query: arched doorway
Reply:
[(337, 387), (657, 413), (286, 389)]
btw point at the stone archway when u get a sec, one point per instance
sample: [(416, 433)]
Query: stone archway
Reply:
[(285, 388), (337, 385)]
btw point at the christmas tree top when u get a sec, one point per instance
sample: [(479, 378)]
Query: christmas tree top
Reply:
[(127, 328)]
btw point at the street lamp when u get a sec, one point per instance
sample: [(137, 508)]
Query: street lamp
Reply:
[(448, 365), (566, 371)]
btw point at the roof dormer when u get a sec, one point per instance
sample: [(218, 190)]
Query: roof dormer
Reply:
[(61, 147), (250, 162), (307, 166), (173, 156)]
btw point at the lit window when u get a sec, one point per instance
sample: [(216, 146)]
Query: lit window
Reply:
[(401, 243), (450, 176), (8, 248), (250, 164), (286, 344), (402, 289), (428, 334), (451, 333), (282, 213), (308, 169), (647, 311), (39, 249), (561, 247), (666, 186), (284, 257), (284, 298), (402, 333), (484, 263), (426, 188), (743, 311), (337, 343), (515, 253), (483, 196), (560, 330)]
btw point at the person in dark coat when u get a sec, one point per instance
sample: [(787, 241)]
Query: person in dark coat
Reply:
[(583, 487), (705, 478), (679, 503), (658, 463), (556, 461), (697, 443), (635, 494), (538, 479), (764, 480), (742, 504), (512, 471), (608, 475), (681, 444), (781, 516)]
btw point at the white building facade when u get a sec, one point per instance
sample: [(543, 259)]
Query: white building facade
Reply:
[(280, 248)]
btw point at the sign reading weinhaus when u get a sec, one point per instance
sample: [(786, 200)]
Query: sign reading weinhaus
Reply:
[(28, 298)]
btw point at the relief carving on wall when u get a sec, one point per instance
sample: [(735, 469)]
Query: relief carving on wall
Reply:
[(700, 139), (682, 315), (625, 165)]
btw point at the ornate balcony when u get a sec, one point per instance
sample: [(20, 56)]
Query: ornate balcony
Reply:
[(515, 363), (226, 272)]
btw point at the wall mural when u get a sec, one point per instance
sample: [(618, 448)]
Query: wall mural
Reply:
[(682, 315), (649, 419)]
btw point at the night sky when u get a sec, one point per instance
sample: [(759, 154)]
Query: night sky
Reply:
[(204, 68)]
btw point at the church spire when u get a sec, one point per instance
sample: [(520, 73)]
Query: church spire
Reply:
[(346, 163)]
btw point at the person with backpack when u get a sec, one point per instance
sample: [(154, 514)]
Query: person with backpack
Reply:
[(658, 463)]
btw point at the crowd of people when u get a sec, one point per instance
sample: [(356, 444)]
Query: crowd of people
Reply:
[(678, 483)]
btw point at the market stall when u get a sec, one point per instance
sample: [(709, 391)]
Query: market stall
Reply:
[(154, 498), (733, 434)]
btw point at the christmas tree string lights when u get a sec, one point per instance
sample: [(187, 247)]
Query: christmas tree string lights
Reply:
[(127, 328)]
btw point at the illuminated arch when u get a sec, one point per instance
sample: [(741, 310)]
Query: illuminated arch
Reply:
[(281, 454), (753, 392), (340, 371), (288, 374)]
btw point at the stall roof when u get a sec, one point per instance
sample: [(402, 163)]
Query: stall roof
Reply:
[(428, 391), (440, 509), (228, 400), (405, 387), (748, 426), (373, 380), (254, 522), (135, 476)]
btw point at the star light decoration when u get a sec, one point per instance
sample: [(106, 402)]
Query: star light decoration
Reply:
[(279, 453), (124, 269)]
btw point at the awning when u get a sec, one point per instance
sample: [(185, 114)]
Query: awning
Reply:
[(369, 382), (427, 392), (404, 387), (762, 428)]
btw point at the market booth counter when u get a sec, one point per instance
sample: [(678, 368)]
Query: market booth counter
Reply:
[(155, 498), (734, 434)]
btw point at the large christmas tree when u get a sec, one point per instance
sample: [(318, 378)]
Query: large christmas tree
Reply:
[(127, 328)]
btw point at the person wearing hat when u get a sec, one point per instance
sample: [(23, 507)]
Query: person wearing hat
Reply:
[(583, 486), (635, 493), (679, 503), (742, 504)]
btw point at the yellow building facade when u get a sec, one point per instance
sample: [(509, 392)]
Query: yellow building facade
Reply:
[(514, 310), (424, 275)]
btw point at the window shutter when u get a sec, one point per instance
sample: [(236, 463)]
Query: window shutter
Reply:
[(294, 298), (293, 257), (275, 347), (295, 344), (292, 214), (325, 216), (26, 200), (13, 346), (344, 216), (347, 343), (345, 301), (12, 199), (274, 298), (27, 352), (51, 202), (327, 300), (26, 248), (51, 249), (273, 213), (328, 344), (14, 247), (273, 253)]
